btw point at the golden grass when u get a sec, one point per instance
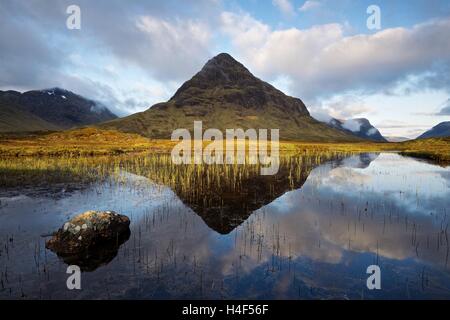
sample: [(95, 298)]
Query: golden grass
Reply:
[(87, 155), (95, 142), (436, 149), (80, 142)]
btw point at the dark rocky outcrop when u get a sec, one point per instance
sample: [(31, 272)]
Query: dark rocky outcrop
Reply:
[(90, 239)]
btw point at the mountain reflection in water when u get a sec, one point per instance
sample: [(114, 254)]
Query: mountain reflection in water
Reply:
[(308, 232)]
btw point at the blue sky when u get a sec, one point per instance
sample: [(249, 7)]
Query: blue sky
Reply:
[(130, 55)]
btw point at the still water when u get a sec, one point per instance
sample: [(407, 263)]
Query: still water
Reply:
[(308, 239)]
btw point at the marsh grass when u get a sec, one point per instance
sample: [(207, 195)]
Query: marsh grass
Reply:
[(87, 142), (89, 154), (20, 171)]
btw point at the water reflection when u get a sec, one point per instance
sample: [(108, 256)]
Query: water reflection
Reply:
[(97, 256), (309, 237), (224, 208)]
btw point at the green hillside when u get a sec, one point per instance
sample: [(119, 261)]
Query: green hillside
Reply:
[(14, 119)]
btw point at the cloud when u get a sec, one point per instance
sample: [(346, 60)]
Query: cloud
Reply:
[(339, 107), (321, 60), (352, 125), (285, 6), (169, 44), (372, 131), (25, 59), (309, 5), (321, 116), (160, 44), (38, 51), (166, 46), (401, 128), (445, 111)]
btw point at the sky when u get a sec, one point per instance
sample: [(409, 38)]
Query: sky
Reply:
[(132, 54)]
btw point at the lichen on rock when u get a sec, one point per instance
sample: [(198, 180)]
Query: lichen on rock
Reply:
[(90, 237)]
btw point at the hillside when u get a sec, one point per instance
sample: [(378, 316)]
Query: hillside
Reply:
[(60, 108), (436, 149), (14, 119), (439, 131), (224, 94), (78, 142)]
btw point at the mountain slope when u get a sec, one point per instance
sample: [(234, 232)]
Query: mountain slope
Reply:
[(59, 107), (438, 131), (359, 127), (14, 119), (224, 94)]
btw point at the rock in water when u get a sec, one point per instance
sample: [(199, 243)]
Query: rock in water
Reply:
[(90, 239)]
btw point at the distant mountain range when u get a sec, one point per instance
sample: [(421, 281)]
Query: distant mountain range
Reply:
[(224, 94), (50, 109), (359, 127), (439, 131), (397, 139)]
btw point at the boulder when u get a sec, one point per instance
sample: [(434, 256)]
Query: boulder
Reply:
[(90, 239)]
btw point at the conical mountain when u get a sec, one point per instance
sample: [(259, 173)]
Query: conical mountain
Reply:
[(225, 81), (225, 94)]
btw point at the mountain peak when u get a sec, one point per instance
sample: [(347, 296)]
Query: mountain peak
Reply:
[(225, 63), (55, 91), (220, 71), (221, 58), (225, 82)]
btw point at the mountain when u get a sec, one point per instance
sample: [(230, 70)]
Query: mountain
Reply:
[(359, 127), (14, 119), (61, 108), (224, 94), (438, 131)]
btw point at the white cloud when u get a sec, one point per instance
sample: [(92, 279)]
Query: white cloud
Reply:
[(285, 6), (401, 128), (321, 116), (340, 107), (352, 125), (322, 60), (309, 5), (372, 131), (171, 46), (248, 35)]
